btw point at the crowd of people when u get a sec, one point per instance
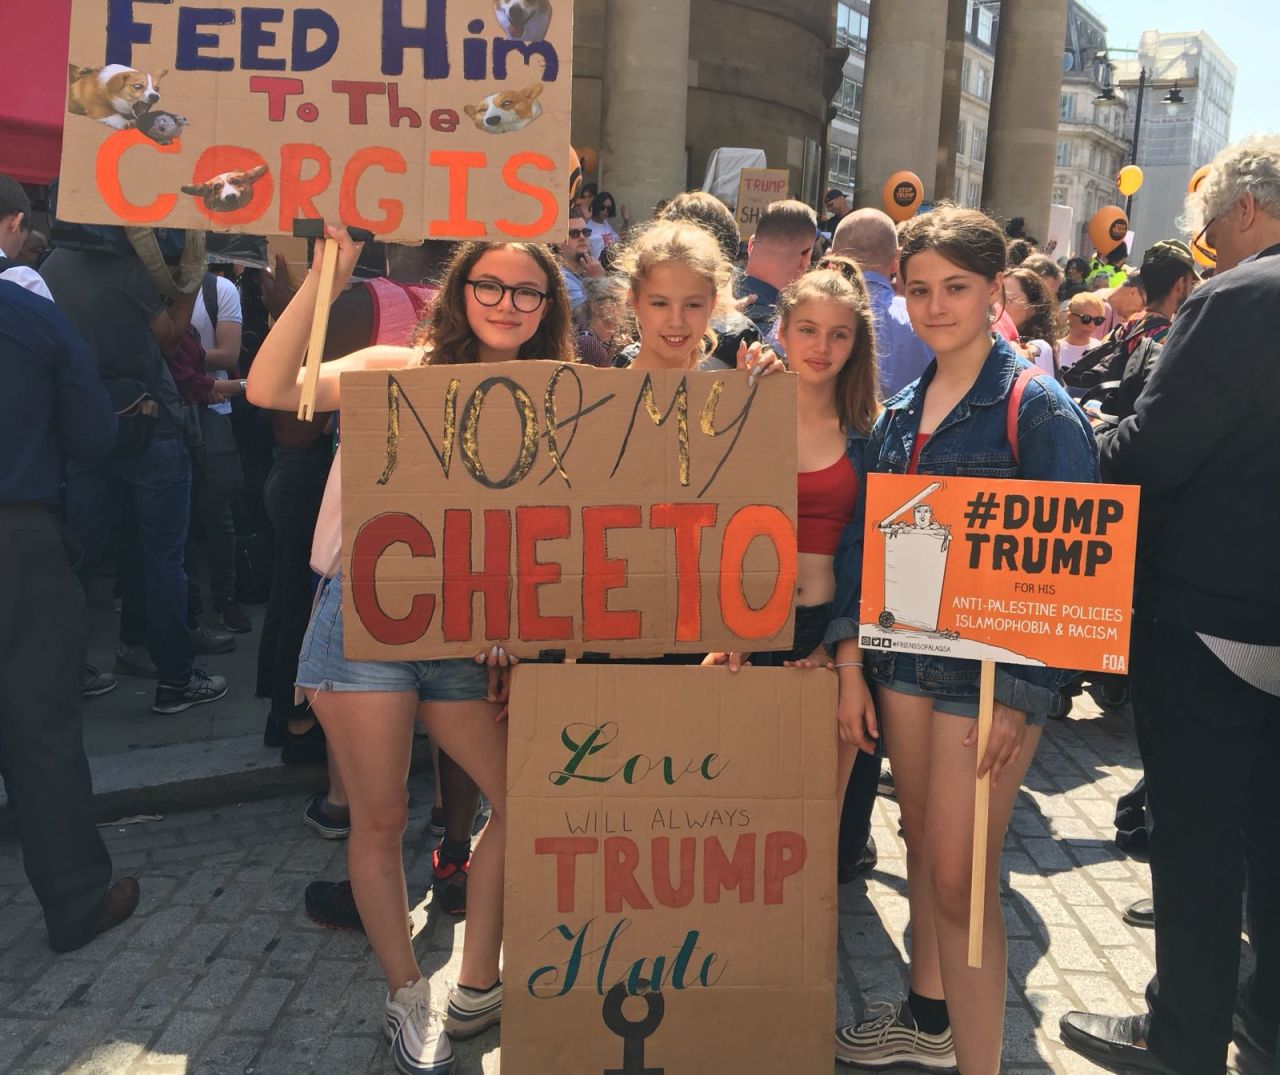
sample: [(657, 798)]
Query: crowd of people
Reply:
[(150, 423)]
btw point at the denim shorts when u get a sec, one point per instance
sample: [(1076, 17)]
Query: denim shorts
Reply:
[(322, 665), (903, 677)]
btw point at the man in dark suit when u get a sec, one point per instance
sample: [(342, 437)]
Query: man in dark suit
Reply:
[(1205, 667), (53, 408)]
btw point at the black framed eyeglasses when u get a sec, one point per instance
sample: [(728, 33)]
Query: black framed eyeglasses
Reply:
[(1087, 319), (579, 233), (1200, 244), (526, 300)]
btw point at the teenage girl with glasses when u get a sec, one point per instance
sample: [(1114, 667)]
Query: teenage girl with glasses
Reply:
[(497, 302)]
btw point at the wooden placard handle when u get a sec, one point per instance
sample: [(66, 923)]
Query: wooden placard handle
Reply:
[(981, 814), (319, 330)]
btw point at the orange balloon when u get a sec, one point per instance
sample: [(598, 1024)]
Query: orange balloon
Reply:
[(903, 193), (1108, 228), (590, 160), (1198, 178), (575, 173)]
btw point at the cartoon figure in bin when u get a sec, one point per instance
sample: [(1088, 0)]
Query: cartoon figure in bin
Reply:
[(915, 565)]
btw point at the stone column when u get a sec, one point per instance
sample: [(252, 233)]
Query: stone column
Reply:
[(949, 116), (1022, 135), (645, 102), (902, 96)]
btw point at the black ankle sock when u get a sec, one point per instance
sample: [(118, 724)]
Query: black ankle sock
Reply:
[(457, 851), (478, 992), (930, 1015)]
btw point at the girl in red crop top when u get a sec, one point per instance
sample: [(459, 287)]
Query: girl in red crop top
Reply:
[(825, 326)]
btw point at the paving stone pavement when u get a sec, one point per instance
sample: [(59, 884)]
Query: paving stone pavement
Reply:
[(221, 972)]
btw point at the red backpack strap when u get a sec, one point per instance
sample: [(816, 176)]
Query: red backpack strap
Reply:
[(1025, 376)]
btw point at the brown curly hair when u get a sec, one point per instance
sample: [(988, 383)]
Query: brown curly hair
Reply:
[(447, 336), (857, 383)]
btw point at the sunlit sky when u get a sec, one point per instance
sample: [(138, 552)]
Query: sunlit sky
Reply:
[(1246, 30)]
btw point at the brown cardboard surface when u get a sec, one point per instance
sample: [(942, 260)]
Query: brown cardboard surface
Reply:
[(758, 188), (767, 736), (582, 511), (435, 123)]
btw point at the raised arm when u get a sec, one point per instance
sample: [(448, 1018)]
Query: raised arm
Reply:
[(275, 380)]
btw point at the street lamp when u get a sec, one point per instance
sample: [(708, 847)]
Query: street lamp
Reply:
[(1171, 101)]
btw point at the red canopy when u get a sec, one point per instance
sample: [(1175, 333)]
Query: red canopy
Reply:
[(32, 108)]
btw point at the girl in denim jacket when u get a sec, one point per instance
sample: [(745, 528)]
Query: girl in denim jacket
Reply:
[(952, 421)]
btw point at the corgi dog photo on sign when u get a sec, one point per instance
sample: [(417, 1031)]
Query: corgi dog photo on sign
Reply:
[(115, 95), (227, 191), (524, 20), (507, 110)]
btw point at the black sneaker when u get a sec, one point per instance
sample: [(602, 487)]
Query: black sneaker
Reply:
[(94, 683), (333, 823), (331, 904), (135, 661), (862, 865), (309, 748), (233, 617), (200, 688), (207, 640), (450, 884)]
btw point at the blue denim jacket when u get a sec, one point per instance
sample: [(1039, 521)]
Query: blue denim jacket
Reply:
[(1055, 443)]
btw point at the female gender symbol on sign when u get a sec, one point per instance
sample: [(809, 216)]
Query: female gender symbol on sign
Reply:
[(633, 1033)]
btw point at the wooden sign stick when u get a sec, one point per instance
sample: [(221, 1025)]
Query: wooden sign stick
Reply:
[(981, 814), (319, 330)]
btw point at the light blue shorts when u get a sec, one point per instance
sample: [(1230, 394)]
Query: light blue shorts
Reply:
[(322, 665)]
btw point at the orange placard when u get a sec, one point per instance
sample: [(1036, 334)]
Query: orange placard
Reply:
[(1019, 572)]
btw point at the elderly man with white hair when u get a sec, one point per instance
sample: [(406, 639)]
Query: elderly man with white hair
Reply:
[(1205, 667)]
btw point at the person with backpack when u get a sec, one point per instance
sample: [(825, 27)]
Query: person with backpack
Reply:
[(117, 307), (978, 409), (218, 475), (1168, 276)]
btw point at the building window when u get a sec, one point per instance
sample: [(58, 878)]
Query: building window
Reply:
[(983, 88), (962, 132), (848, 101), (1063, 157), (978, 148), (986, 25), (975, 196), (959, 190), (965, 72), (1067, 108), (851, 28), (841, 165)]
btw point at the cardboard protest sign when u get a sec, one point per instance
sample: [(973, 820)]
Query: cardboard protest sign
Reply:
[(549, 506), (670, 881), (758, 188), (1014, 571), (444, 119)]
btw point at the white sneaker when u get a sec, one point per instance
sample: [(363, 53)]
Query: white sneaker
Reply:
[(892, 1039), (419, 1045), (471, 1013)]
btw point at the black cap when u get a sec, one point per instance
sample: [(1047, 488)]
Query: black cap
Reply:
[(833, 193)]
